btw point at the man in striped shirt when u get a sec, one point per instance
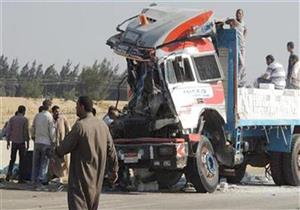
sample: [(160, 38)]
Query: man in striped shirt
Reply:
[(275, 74)]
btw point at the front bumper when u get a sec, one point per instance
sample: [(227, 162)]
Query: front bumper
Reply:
[(170, 156)]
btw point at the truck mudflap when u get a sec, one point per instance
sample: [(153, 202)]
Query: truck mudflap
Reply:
[(153, 153)]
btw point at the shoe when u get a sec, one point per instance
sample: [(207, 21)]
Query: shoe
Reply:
[(45, 183), (41, 188), (7, 178), (44, 188), (188, 187), (21, 181), (38, 188)]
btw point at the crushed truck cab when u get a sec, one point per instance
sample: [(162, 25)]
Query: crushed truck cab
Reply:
[(185, 112)]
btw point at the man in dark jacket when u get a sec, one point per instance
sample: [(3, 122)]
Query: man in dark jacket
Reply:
[(18, 134), (90, 144)]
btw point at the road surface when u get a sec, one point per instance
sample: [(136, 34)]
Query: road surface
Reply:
[(233, 197)]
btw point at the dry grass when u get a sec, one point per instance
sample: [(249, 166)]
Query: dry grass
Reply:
[(9, 105)]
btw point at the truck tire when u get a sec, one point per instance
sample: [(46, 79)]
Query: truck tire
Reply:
[(276, 164), (291, 163), (203, 169), (167, 178), (239, 174)]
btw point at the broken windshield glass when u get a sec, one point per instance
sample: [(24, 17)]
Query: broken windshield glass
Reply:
[(207, 67), (179, 71)]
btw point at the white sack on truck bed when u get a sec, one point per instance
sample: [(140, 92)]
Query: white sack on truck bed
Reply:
[(264, 104)]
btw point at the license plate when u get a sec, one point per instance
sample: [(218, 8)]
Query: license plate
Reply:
[(131, 158)]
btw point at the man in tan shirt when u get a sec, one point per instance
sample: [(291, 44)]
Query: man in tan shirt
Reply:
[(90, 145), (62, 124), (62, 127)]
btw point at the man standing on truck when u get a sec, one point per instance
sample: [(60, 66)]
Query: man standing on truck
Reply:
[(290, 49), (90, 144), (275, 74), (238, 24), (295, 72)]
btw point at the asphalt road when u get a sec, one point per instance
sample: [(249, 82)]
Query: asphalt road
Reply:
[(233, 197)]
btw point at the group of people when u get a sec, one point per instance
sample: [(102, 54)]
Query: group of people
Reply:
[(275, 73), (89, 142), (49, 127)]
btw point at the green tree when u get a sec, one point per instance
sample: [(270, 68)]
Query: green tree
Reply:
[(73, 75), (51, 74), (30, 84), (4, 70), (2, 88), (11, 78), (50, 81), (32, 70), (32, 88), (4, 67), (70, 95), (13, 70), (24, 74), (39, 72), (95, 80), (65, 71)]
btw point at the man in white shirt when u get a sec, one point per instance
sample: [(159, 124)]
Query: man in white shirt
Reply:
[(295, 73), (275, 74), (43, 135)]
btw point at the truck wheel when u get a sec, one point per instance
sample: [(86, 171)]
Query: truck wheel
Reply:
[(167, 179), (203, 170), (239, 171), (291, 163), (276, 164)]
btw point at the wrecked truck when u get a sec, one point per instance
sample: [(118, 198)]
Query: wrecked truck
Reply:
[(186, 113)]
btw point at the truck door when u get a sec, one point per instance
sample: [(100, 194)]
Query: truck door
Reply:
[(182, 83), (188, 91)]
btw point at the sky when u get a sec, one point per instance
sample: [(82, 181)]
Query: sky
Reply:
[(51, 32)]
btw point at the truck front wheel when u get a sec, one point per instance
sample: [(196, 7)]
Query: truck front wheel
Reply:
[(291, 163), (203, 169)]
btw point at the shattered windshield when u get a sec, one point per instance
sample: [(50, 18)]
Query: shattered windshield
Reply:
[(179, 71), (207, 67)]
